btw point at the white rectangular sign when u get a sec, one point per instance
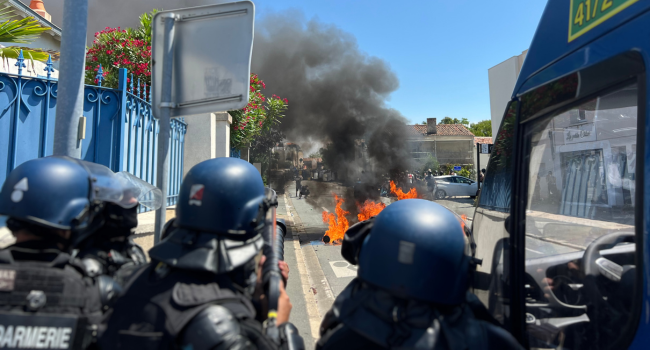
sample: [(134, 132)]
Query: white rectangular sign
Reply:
[(580, 133), (212, 47)]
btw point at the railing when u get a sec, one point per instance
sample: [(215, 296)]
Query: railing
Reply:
[(462, 157), (121, 132)]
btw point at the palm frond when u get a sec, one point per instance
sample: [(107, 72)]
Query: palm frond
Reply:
[(30, 54), (6, 12), (21, 31)]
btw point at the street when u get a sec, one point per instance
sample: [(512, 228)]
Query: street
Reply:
[(318, 272)]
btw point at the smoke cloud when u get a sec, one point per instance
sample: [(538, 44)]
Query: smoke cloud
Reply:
[(336, 92)]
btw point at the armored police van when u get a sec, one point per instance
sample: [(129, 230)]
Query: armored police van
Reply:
[(565, 265)]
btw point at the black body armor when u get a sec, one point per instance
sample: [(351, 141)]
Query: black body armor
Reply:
[(167, 308), (364, 317), (46, 301), (118, 258)]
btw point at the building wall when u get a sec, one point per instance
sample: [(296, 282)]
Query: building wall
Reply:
[(502, 78), (447, 149), (46, 42)]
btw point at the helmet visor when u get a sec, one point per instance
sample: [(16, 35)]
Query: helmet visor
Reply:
[(146, 194), (108, 187)]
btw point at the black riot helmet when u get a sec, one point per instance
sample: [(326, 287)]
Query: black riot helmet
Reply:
[(219, 218), (61, 193)]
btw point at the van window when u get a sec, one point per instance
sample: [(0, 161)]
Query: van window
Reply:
[(579, 222), (491, 279)]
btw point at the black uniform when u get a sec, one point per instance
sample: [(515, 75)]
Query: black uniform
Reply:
[(110, 250), (169, 308), (47, 300), (364, 317), (118, 258)]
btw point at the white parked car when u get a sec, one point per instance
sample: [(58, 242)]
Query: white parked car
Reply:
[(453, 185)]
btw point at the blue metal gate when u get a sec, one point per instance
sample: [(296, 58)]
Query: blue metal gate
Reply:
[(120, 132)]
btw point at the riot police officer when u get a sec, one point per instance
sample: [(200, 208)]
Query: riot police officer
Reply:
[(197, 292), (46, 298), (110, 250), (410, 292)]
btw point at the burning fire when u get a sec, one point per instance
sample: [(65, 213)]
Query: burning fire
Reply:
[(369, 209), (338, 224), (413, 193)]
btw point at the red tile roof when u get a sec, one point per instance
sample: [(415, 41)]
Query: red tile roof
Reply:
[(441, 130), (481, 139)]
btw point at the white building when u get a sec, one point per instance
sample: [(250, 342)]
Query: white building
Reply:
[(503, 78)]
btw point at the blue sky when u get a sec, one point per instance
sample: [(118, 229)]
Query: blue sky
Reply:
[(440, 50)]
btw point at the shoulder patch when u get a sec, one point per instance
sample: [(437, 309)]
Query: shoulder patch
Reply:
[(7, 280)]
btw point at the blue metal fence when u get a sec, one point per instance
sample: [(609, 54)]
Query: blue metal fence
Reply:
[(121, 132)]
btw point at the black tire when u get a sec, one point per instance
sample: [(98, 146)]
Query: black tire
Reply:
[(440, 194)]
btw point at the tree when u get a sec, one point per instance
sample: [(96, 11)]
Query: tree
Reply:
[(260, 115), (261, 147), (21, 31), (448, 120), (482, 128), (115, 48), (430, 163)]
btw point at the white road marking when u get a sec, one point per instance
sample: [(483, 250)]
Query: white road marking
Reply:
[(325, 209), (343, 269), (534, 251), (310, 299)]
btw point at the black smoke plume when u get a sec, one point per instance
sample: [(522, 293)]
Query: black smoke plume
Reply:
[(336, 92)]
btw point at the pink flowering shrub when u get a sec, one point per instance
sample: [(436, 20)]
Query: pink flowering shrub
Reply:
[(116, 48), (259, 115)]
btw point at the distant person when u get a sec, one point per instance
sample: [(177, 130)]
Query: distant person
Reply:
[(304, 191), (481, 176), (552, 186), (431, 184), (298, 184)]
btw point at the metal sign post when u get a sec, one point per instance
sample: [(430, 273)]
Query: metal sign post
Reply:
[(166, 105), (70, 104), (478, 165), (200, 64)]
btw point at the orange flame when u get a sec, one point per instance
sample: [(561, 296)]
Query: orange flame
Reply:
[(369, 209), (462, 222), (413, 193), (338, 224)]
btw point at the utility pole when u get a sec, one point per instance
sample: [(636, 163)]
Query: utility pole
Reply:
[(70, 103), (162, 174)]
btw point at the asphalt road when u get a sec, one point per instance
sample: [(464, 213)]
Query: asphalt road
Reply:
[(318, 272)]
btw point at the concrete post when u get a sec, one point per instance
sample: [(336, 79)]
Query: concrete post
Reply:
[(222, 134), (199, 140), (207, 137)]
